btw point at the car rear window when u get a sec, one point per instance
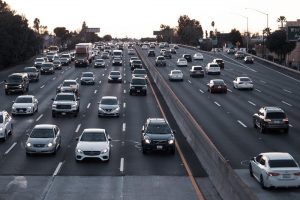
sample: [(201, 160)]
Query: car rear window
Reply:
[(139, 81), (282, 163), (24, 100), (197, 68), (275, 115), (214, 65), (245, 79)]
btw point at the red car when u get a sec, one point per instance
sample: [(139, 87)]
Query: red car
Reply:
[(217, 86)]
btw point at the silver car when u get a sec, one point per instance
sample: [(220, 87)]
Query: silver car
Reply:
[(44, 138), (25, 104), (115, 76), (109, 106), (6, 125), (87, 78)]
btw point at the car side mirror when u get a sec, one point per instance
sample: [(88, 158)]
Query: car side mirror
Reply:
[(77, 138), (173, 131), (27, 134), (52, 99)]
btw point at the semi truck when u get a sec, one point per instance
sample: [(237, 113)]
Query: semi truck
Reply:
[(83, 54)]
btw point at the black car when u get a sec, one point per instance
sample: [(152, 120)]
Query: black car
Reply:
[(136, 64), (151, 53), (167, 54), (17, 82), (271, 118), (33, 73), (138, 85), (188, 57), (157, 135), (47, 68), (160, 61)]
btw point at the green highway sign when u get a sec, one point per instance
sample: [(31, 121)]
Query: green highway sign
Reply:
[(293, 33)]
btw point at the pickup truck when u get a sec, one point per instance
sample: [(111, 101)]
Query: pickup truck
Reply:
[(65, 103)]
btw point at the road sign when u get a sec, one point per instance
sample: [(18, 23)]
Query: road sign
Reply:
[(293, 33), (157, 32), (92, 30)]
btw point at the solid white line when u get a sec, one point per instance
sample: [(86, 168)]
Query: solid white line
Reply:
[(124, 105), (57, 168), (10, 148), (124, 127), (257, 90), (229, 90), (122, 165), (39, 117), (242, 123), (95, 91), (201, 91), (251, 103), (88, 106), (287, 91), (124, 91), (42, 86), (286, 103), (78, 127), (217, 103)]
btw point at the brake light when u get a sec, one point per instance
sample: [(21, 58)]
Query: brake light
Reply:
[(286, 120), (297, 174), (273, 174)]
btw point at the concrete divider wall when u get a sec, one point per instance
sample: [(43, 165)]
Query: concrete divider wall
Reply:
[(226, 181)]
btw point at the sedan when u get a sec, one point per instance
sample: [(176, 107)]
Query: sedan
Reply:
[(64, 61), (99, 63), (47, 68), (182, 62), (33, 73), (44, 138), (175, 75), (109, 106), (87, 78), (217, 86), (115, 76), (117, 62), (275, 169), (93, 143), (57, 64), (197, 71), (248, 60), (6, 125), (198, 56), (243, 83), (25, 104)]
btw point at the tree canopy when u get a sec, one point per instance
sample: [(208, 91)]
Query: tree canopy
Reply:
[(189, 30)]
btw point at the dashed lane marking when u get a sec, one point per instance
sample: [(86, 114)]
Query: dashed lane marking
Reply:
[(252, 103), (39, 117), (241, 123), (57, 168), (217, 104), (286, 103), (124, 127), (10, 148), (42, 86), (77, 128), (257, 90), (287, 91), (122, 165), (88, 106)]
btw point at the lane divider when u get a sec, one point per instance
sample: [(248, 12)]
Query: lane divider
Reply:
[(10, 148)]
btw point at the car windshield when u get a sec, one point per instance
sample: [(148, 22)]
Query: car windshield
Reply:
[(160, 58), (115, 73), (275, 115), (87, 75), (14, 79), (138, 81), (30, 69), (42, 133), (93, 137), (139, 71), (158, 129), (137, 62), (39, 60), (99, 60), (197, 68), (109, 101), (282, 163), (64, 97), (47, 65), (65, 56), (245, 79), (24, 100), (213, 65), (68, 83)]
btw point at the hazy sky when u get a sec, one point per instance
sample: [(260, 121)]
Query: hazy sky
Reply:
[(139, 18)]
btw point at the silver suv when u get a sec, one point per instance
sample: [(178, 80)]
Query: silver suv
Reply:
[(65, 103)]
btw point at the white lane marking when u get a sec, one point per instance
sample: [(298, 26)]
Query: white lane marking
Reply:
[(54, 78), (124, 105), (42, 86), (76, 78), (95, 91), (62, 72), (287, 91), (88, 106), (122, 165), (286, 103), (99, 82), (251, 103), (10, 148), (57, 168), (217, 103), (189, 81), (229, 90), (290, 125), (78, 127), (39, 117), (241, 123), (201, 91), (103, 74), (257, 90), (124, 91), (262, 81), (124, 127), (124, 81)]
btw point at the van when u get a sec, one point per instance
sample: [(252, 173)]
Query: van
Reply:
[(17, 82), (117, 54)]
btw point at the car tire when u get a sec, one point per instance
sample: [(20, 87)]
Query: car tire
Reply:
[(262, 183), (250, 170)]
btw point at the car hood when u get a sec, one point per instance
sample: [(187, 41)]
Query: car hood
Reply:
[(159, 136), (103, 106), (64, 102), (39, 140), (22, 105), (92, 146)]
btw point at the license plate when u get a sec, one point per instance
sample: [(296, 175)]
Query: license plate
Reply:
[(286, 176), (138, 91), (63, 113), (219, 87), (159, 147), (276, 122)]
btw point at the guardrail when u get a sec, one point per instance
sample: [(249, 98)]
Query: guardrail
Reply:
[(226, 181)]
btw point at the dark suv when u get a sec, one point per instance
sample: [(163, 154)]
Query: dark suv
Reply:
[(17, 82), (188, 57), (167, 54), (271, 118), (138, 85), (157, 135)]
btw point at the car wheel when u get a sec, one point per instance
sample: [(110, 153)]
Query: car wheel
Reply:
[(261, 181), (261, 129), (250, 170)]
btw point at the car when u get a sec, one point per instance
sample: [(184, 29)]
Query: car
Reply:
[(82, 62), (138, 85), (162, 51), (67, 56), (212, 68), (198, 56), (131, 52), (248, 60), (188, 57), (65, 103), (47, 68), (173, 51), (25, 104), (197, 71), (151, 53), (182, 62), (105, 55), (132, 59), (50, 56), (33, 73), (145, 47), (136, 64), (64, 61), (6, 125), (87, 78), (140, 73), (43, 139), (152, 46), (239, 55), (161, 45), (157, 135), (231, 51), (117, 61), (167, 54), (175, 75), (99, 63), (275, 169), (115, 76), (16, 82), (219, 61), (243, 83), (93, 143), (109, 106), (217, 86), (160, 61), (270, 118), (69, 85), (57, 64), (38, 62)]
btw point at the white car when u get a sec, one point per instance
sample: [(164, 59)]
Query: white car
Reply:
[(176, 75), (198, 56), (93, 143), (212, 68), (275, 169), (68, 86), (131, 52), (145, 47), (182, 62), (6, 126), (243, 83), (109, 106), (25, 104)]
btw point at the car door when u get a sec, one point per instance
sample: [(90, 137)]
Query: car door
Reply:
[(256, 166), (8, 122)]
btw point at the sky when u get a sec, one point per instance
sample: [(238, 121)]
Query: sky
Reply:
[(139, 18)]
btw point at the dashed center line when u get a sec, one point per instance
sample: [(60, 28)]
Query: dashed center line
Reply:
[(124, 91), (54, 78), (257, 90), (122, 165), (290, 125), (229, 90), (251, 103), (88, 106), (99, 82), (103, 74), (10, 148), (39, 117), (42, 86), (124, 74), (124, 105), (201, 91), (241, 123), (287, 91), (286, 103), (95, 91), (124, 127), (78, 127), (262, 81), (124, 81), (57, 168), (217, 103)]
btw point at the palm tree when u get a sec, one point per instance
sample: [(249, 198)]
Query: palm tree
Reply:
[(281, 19)]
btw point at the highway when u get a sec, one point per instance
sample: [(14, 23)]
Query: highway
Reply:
[(128, 175)]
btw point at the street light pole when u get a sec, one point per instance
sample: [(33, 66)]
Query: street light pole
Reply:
[(247, 38)]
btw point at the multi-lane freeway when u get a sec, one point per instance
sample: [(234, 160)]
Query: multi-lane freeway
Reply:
[(225, 118)]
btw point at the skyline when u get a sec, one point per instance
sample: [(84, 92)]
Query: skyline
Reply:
[(134, 19)]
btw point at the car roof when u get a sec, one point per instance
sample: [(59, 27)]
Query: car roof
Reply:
[(96, 130), (273, 109), (197, 66), (48, 126), (109, 97), (31, 96), (157, 120), (69, 80), (277, 155), (65, 93), (217, 80)]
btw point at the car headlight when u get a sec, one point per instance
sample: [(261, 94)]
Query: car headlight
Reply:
[(19, 86), (29, 108), (147, 141), (28, 144), (53, 105), (13, 107), (171, 141), (5, 86), (50, 144), (104, 151), (100, 109), (144, 87), (79, 151), (74, 105)]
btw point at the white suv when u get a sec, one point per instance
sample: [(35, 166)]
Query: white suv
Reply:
[(212, 68)]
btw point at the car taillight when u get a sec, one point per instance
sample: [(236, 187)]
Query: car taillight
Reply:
[(297, 174), (273, 174), (286, 120)]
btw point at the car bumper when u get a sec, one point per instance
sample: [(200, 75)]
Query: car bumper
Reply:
[(245, 86), (64, 112), (22, 111), (101, 156), (276, 182), (158, 147), (46, 150)]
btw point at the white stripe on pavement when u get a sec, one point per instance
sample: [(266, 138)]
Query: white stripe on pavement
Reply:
[(241, 123), (124, 127), (257, 90), (10, 148), (122, 165), (124, 105), (217, 103), (39, 117), (95, 91), (286, 103), (88, 106), (124, 91), (251, 103), (57, 168), (229, 90), (42, 86), (287, 91), (201, 91), (78, 127)]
